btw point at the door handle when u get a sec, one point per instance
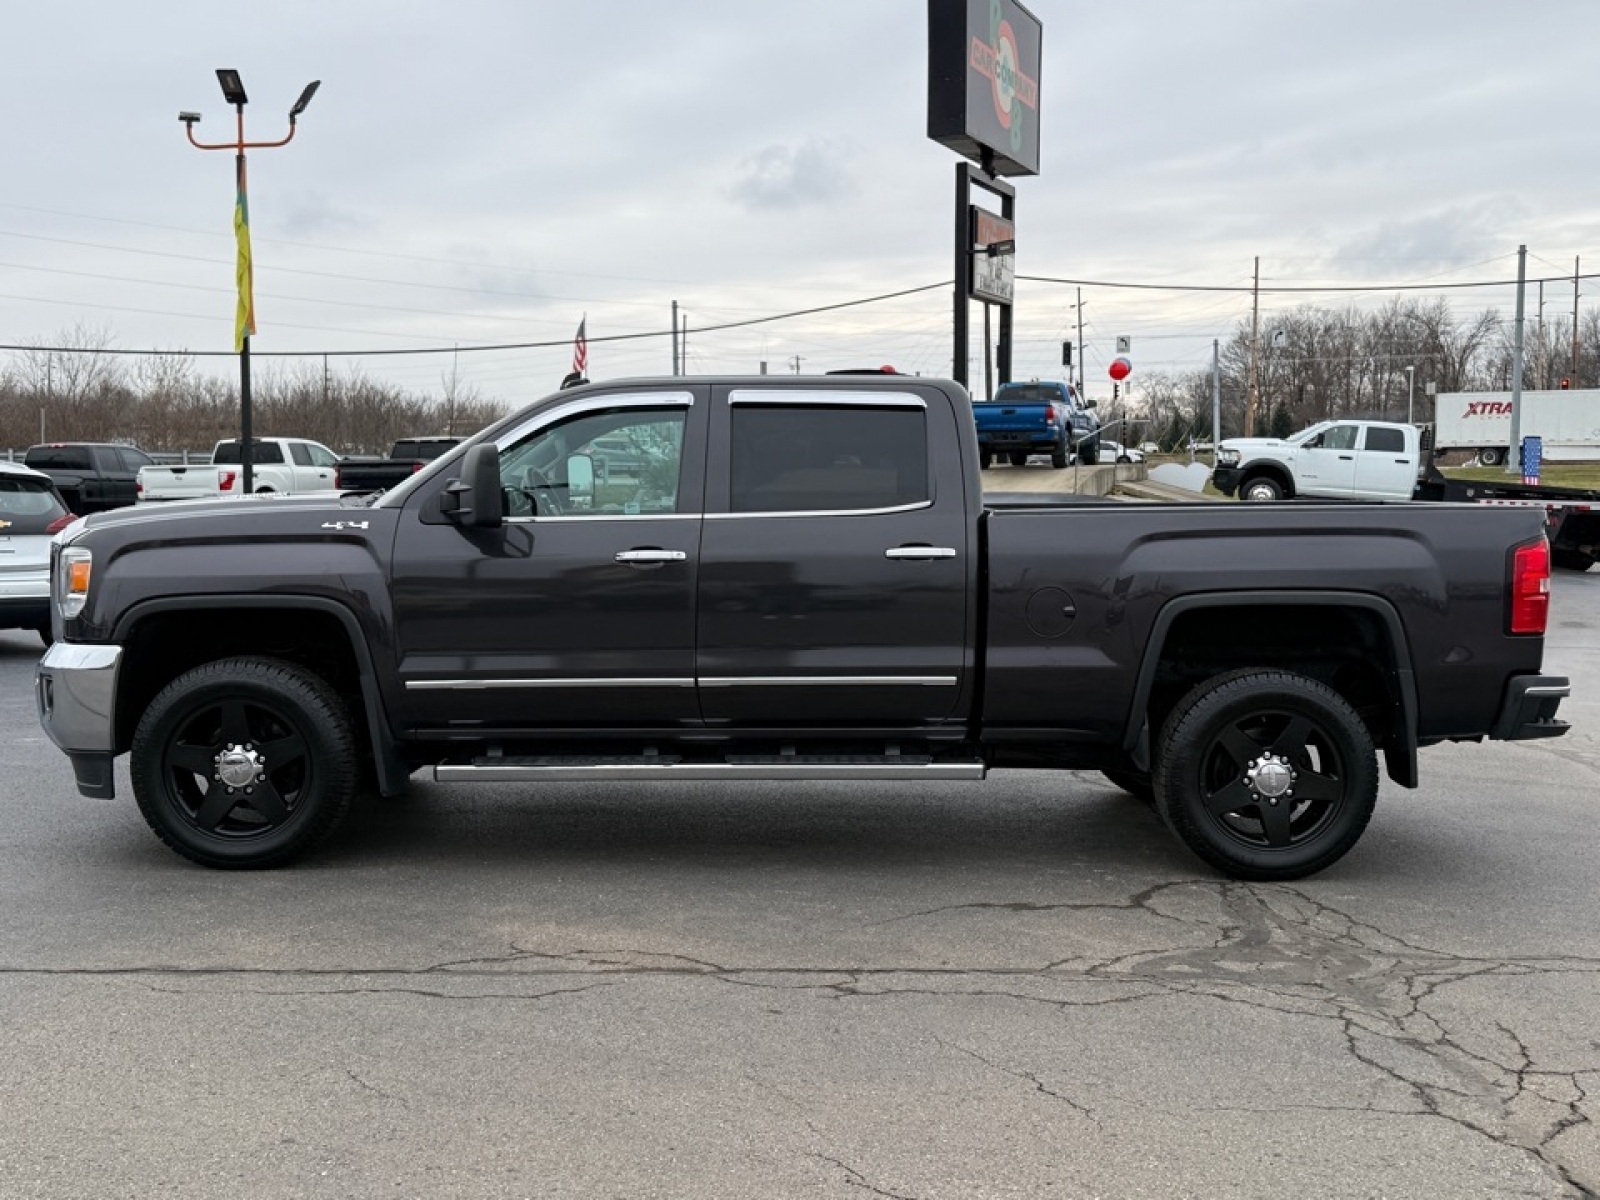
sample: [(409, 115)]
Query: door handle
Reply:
[(1346, 457), (650, 557), (919, 553)]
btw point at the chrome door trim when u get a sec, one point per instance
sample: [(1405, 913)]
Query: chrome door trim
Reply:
[(725, 681), (473, 685), (825, 399), (821, 512)]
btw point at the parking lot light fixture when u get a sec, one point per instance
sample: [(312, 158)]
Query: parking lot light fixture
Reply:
[(245, 320)]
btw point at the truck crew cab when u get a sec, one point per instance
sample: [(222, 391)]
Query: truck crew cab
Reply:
[(803, 582)]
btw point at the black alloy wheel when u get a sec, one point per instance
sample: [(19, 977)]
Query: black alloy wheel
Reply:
[(1266, 775), (246, 762)]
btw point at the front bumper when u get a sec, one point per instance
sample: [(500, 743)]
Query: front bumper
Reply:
[(75, 688), (1529, 708), (1226, 479)]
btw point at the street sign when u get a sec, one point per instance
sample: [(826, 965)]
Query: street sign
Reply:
[(1124, 344)]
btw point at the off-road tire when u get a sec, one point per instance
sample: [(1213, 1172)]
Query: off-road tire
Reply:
[(1210, 746), (261, 715)]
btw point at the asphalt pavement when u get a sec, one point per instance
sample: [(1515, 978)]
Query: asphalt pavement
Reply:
[(1017, 988)]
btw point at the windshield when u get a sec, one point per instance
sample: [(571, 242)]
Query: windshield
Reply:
[(1305, 435)]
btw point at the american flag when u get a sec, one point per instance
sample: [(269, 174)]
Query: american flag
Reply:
[(580, 348)]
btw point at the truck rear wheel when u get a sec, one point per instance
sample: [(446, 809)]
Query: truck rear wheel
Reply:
[(1491, 456), (1266, 775), (985, 459), (246, 762)]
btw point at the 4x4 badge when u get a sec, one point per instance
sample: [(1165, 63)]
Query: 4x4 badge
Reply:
[(345, 524)]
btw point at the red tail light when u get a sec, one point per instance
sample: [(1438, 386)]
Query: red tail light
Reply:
[(1530, 587), (225, 483), (338, 477), (60, 523), (416, 466)]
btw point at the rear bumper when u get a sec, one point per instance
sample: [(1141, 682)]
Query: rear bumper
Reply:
[(1529, 708)]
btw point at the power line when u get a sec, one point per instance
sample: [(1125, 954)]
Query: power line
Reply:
[(616, 337), (1362, 287)]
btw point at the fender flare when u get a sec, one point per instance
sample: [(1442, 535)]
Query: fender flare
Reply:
[(1400, 760), (391, 769)]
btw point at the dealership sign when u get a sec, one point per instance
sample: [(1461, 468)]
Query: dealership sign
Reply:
[(983, 81)]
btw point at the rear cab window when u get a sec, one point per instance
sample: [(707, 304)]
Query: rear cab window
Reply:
[(816, 456)]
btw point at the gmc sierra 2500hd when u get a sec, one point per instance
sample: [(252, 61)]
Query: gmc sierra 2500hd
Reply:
[(805, 583)]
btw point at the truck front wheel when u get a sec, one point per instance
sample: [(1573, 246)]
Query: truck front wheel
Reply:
[(1266, 775), (1261, 489), (246, 762)]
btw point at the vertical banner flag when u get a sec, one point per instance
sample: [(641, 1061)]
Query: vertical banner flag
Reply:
[(244, 323), (580, 348)]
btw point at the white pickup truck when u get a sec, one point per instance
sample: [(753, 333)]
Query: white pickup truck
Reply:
[(1336, 460), (279, 465)]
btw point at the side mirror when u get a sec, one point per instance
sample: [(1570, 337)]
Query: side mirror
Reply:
[(580, 481), (1091, 402), (1315, 443), (474, 500)]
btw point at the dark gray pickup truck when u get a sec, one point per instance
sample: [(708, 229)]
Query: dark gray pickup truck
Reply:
[(803, 582)]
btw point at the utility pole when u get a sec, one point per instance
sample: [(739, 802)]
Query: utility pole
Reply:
[(1514, 458), (1254, 397), (1542, 375), (1216, 400), (674, 337), (795, 360), (1574, 373), (1080, 343)]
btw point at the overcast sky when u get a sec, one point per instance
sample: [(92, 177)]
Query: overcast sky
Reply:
[(480, 173)]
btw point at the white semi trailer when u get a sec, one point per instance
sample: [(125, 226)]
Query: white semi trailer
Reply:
[(1568, 422)]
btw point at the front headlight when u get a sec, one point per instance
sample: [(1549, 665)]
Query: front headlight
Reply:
[(1227, 457), (73, 570)]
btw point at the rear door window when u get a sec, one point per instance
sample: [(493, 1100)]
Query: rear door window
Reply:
[(1386, 440), (28, 505), (821, 458), (59, 458)]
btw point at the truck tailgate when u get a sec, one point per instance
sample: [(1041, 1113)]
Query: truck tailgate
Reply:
[(179, 483)]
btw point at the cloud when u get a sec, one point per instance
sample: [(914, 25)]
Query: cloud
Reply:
[(1439, 239), (781, 178)]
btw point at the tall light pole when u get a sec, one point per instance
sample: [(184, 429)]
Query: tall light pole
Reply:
[(245, 318), (1411, 391)]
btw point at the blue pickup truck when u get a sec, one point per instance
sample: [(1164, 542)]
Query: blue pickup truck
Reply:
[(1037, 417)]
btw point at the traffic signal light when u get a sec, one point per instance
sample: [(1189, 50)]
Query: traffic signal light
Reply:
[(1066, 354), (1115, 391), (1566, 384)]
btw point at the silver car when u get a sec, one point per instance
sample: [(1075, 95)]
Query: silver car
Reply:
[(31, 513)]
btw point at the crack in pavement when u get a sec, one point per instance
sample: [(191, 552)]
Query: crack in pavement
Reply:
[(1269, 948)]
